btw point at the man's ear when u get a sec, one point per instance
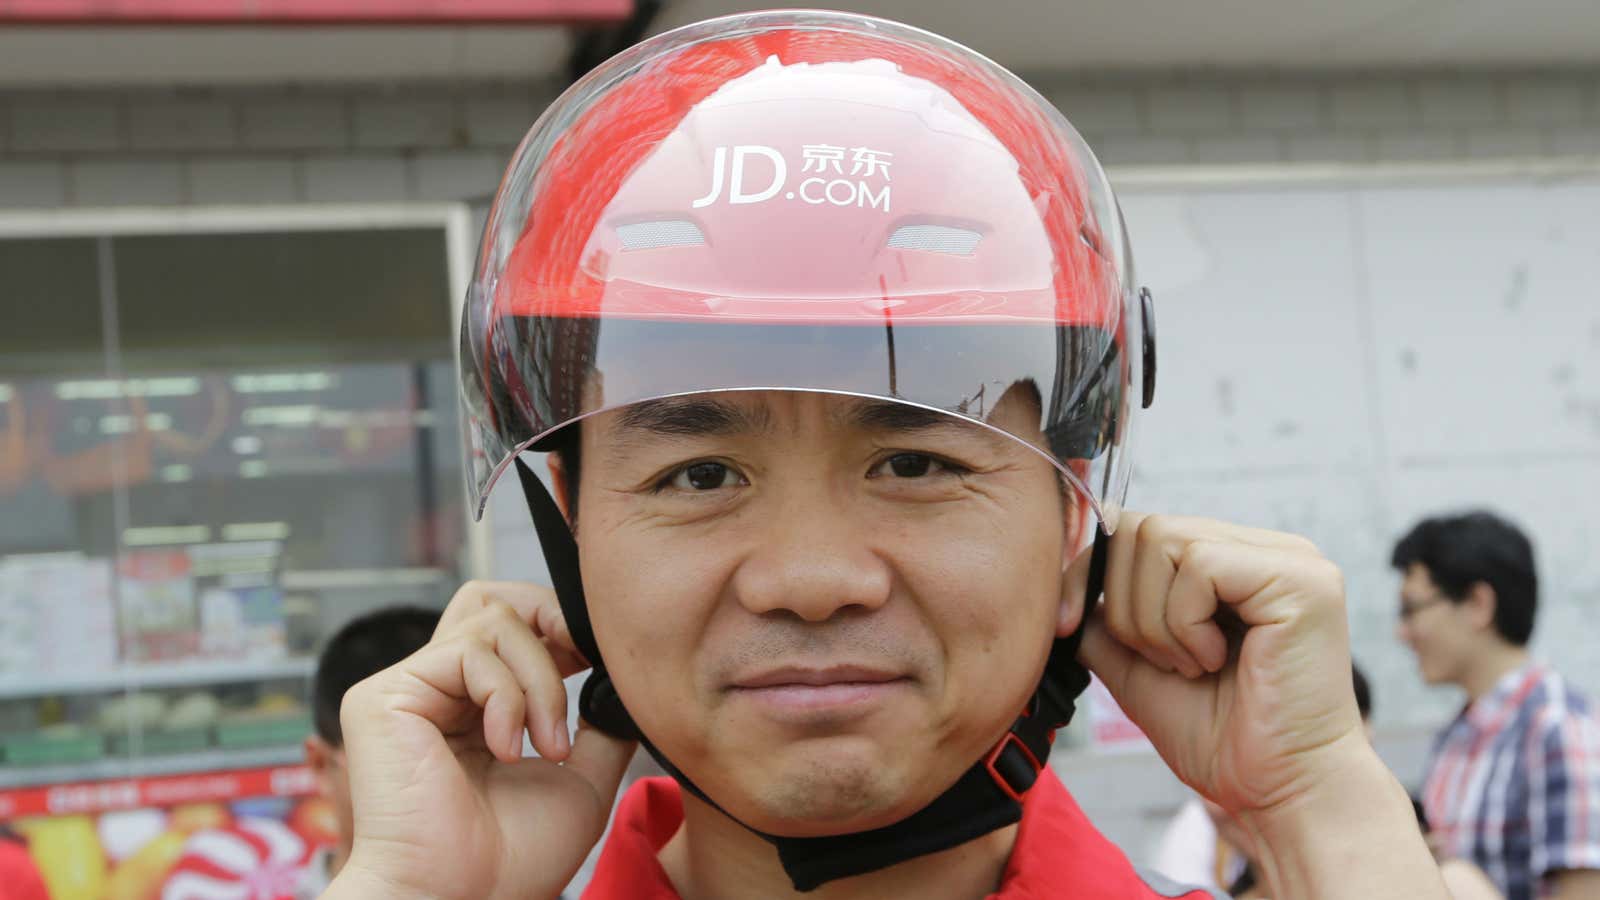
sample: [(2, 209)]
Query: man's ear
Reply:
[(1480, 605), (1074, 582), (1075, 573), (319, 758), (1070, 613), (558, 485)]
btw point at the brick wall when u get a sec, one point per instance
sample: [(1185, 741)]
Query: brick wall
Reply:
[(1367, 119), (407, 143), (431, 142)]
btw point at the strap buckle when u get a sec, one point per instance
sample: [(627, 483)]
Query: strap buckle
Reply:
[(1013, 775)]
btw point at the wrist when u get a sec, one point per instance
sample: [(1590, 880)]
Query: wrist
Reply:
[(1350, 832), (359, 879)]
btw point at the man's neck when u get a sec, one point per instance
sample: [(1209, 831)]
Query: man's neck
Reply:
[(1491, 666), (713, 857)]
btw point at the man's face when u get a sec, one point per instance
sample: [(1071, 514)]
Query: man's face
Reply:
[(1438, 630), (822, 609)]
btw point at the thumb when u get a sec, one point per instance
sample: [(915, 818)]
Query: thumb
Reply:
[(601, 760)]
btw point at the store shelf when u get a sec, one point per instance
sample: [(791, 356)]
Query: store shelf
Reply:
[(325, 579), (174, 674), (148, 766)]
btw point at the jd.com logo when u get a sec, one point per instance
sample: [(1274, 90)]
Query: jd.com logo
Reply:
[(853, 188)]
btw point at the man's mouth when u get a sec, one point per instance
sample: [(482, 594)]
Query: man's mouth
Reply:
[(788, 691)]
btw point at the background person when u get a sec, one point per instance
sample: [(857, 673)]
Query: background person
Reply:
[(1513, 783), (364, 646)]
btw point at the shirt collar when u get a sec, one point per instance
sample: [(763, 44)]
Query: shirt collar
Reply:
[(1056, 846), (1501, 703)]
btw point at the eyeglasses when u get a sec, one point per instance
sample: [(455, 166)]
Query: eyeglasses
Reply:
[(1407, 610)]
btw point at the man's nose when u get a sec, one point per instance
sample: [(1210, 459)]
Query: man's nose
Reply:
[(813, 560)]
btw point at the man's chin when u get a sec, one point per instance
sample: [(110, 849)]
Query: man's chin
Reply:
[(812, 796)]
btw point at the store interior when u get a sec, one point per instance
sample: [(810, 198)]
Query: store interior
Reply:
[(216, 446)]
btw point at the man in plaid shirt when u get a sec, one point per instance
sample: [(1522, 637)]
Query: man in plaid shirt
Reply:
[(1513, 784)]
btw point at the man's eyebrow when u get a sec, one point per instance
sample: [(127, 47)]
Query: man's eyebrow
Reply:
[(690, 417), (887, 415)]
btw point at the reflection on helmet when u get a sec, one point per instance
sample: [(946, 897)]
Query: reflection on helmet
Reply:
[(805, 201)]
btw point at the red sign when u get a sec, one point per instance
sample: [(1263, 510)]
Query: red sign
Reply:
[(94, 797), (311, 12)]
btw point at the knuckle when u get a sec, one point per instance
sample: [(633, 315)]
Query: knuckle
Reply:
[(1152, 528), (1329, 575), (1178, 618), (1303, 543), (497, 610), (1199, 556), (549, 620), (470, 645), (1119, 621), (473, 592)]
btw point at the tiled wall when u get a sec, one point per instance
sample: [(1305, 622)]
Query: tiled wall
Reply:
[(430, 142)]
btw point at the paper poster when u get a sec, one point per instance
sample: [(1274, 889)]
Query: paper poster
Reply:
[(56, 614), (1110, 729), (159, 618), (241, 835)]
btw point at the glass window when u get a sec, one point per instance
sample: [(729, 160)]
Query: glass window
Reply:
[(215, 448)]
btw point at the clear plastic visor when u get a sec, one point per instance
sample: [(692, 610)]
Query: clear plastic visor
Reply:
[(539, 374)]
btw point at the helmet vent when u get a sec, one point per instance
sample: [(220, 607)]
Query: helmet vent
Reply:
[(936, 239), (657, 234)]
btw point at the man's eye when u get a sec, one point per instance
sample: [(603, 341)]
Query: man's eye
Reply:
[(910, 465), (701, 476)]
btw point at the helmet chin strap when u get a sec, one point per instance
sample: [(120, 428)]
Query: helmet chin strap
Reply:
[(986, 798)]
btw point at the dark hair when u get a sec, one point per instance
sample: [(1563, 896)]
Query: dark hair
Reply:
[(1462, 550), (1363, 692), (566, 446), (364, 646)]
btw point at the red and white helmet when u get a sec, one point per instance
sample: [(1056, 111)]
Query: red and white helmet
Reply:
[(809, 201)]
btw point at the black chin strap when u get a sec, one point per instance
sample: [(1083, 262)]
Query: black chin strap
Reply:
[(988, 797)]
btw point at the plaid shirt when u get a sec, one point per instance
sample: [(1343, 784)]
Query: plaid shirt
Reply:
[(1514, 782)]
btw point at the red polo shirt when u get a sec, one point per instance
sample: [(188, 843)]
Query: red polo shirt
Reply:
[(1058, 854)]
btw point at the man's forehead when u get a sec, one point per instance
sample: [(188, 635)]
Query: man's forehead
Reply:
[(754, 412)]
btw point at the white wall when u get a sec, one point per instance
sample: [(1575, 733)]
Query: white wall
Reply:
[(1340, 358)]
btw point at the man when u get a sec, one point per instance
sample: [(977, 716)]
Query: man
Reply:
[(1513, 783), (365, 645), (829, 326)]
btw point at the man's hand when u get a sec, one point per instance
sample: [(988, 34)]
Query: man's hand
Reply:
[(445, 805), (1229, 647), (1574, 884)]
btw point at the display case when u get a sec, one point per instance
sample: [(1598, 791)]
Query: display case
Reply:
[(221, 437)]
